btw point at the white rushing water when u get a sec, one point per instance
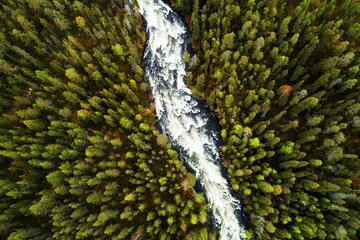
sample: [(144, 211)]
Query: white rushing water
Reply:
[(180, 115)]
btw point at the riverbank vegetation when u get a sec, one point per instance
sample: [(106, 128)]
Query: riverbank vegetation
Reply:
[(283, 78), (80, 155)]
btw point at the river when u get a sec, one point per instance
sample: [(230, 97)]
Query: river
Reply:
[(191, 128)]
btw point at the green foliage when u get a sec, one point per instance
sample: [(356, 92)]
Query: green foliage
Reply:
[(287, 148), (197, 233), (144, 127), (186, 57), (162, 140), (119, 51), (80, 157), (254, 143), (281, 78), (126, 123)]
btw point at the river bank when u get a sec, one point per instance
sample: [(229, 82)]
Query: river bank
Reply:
[(192, 129)]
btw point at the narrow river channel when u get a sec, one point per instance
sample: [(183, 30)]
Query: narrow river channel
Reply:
[(191, 128)]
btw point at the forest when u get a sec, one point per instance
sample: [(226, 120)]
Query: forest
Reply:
[(81, 155)]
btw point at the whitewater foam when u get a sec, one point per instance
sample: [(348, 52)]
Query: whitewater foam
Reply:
[(181, 116)]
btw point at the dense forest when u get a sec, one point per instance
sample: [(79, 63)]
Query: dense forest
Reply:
[(81, 156), (283, 78)]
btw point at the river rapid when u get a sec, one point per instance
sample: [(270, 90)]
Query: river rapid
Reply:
[(191, 128)]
